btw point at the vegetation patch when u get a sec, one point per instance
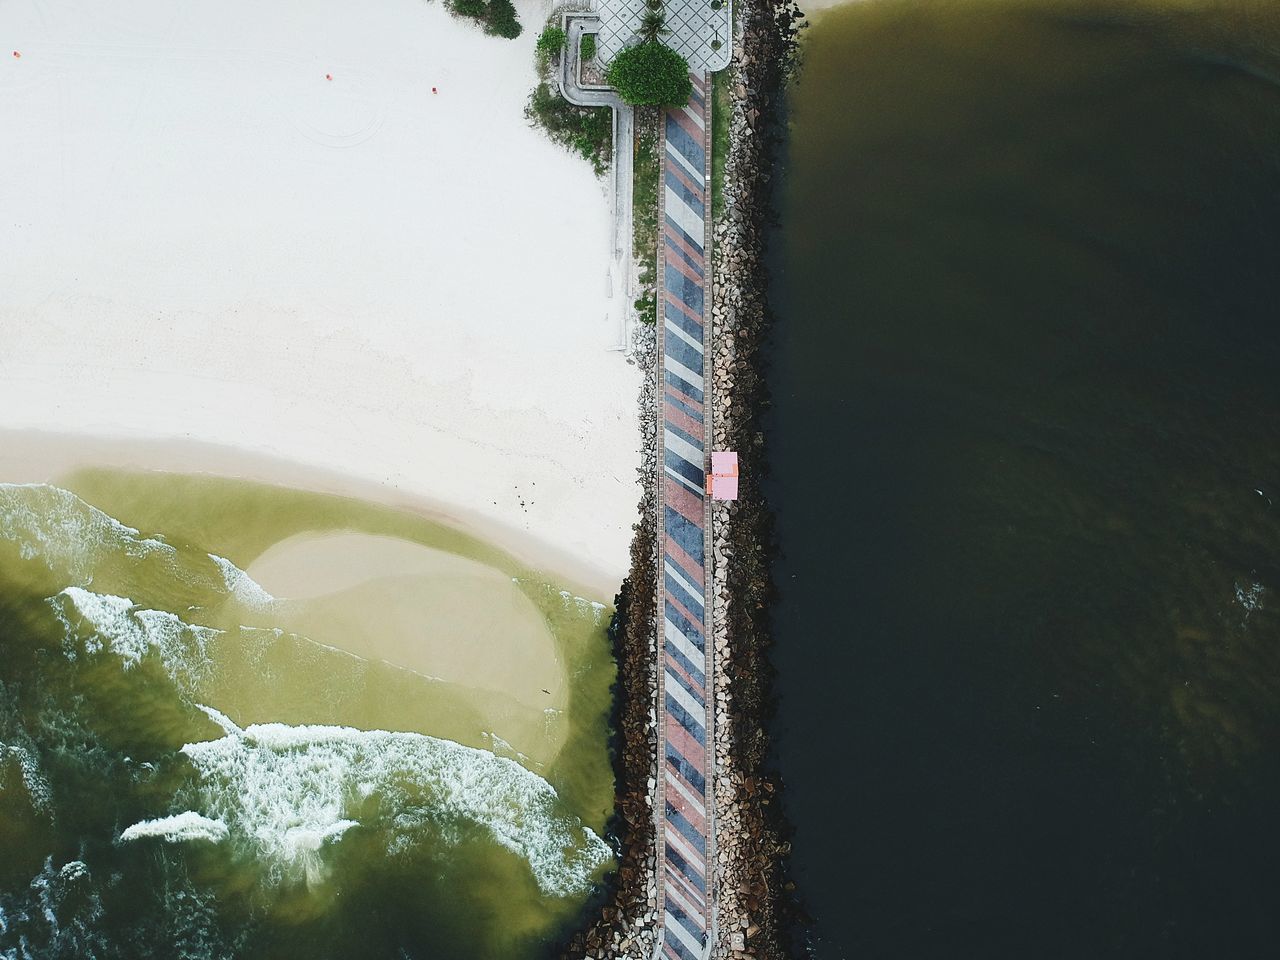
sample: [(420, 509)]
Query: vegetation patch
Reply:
[(646, 177), (651, 74), (587, 131), (547, 51), (588, 46), (498, 17), (721, 114)]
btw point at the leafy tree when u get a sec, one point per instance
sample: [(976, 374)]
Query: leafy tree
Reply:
[(588, 46), (651, 74), (470, 8)]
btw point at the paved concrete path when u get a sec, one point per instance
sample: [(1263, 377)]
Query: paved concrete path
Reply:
[(684, 815), (624, 127)]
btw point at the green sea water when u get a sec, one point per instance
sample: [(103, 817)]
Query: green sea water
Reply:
[(183, 776)]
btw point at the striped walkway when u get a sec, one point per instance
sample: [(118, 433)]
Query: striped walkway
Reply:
[(684, 821)]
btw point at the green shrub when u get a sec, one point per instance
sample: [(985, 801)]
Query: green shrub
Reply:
[(647, 309), (502, 19), (588, 46), (551, 41), (651, 73), (646, 177), (587, 131), (498, 16)]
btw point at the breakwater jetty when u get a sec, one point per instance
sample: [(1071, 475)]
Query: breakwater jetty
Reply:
[(698, 826)]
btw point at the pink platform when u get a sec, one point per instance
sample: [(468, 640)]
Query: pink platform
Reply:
[(724, 475)]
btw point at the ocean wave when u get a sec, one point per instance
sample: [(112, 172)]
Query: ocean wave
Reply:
[(69, 535), (102, 620), (289, 790), (241, 586), (593, 608), (221, 719), (187, 825), (33, 779), (57, 915)]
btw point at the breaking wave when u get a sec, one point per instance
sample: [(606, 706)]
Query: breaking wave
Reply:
[(104, 621), (289, 790), (67, 533), (253, 809), (33, 779), (183, 826), (242, 586)]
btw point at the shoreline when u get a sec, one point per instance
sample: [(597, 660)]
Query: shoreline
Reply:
[(301, 245), (38, 457)]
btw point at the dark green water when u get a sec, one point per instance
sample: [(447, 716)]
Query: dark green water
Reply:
[(1028, 287)]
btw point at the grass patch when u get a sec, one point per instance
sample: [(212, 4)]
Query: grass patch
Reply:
[(588, 47), (646, 178), (721, 113), (587, 131)]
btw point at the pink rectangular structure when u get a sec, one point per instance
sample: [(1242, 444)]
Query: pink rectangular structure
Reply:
[(724, 488), (724, 475), (724, 463)]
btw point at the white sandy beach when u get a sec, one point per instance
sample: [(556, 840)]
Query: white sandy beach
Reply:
[(203, 239)]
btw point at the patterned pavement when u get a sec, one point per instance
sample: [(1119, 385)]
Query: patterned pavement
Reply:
[(697, 30), (684, 824)]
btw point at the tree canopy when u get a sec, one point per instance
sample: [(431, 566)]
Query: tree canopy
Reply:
[(651, 74)]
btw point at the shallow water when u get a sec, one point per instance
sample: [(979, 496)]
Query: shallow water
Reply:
[(184, 774), (1028, 272)]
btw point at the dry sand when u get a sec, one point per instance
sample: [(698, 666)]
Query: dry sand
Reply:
[(203, 239)]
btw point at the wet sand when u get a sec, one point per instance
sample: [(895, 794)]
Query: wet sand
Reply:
[(28, 456), (412, 606)]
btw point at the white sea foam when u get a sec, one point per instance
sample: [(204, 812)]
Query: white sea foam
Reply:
[(221, 719), (74, 870), (33, 779), (583, 605), (1250, 597), (66, 533), (289, 790), (102, 620), (503, 748), (187, 825), (242, 586), (58, 914)]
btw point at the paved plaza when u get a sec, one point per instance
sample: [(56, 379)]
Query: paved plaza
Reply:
[(699, 32)]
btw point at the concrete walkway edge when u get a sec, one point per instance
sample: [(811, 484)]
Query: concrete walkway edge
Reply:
[(572, 89)]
